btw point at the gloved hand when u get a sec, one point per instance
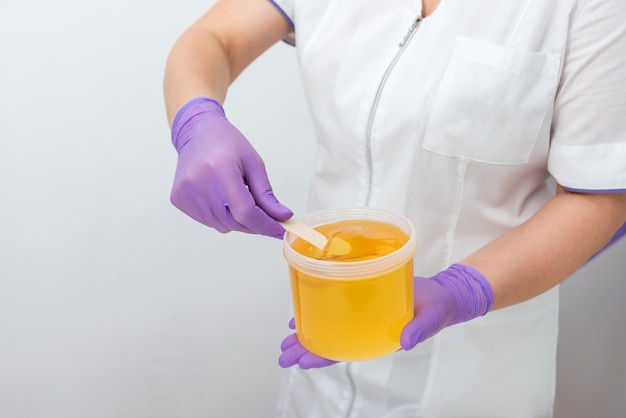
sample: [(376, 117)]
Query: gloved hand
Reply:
[(452, 296), (294, 353), (457, 294), (220, 179)]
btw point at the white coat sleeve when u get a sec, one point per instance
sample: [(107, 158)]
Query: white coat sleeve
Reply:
[(286, 8), (588, 145)]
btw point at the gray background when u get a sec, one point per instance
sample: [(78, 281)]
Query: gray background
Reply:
[(115, 305)]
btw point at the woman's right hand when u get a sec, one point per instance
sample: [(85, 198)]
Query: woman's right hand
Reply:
[(220, 179)]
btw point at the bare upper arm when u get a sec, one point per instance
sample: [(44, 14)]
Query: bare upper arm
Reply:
[(612, 204), (245, 28)]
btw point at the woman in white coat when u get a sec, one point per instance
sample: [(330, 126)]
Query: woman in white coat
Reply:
[(496, 127)]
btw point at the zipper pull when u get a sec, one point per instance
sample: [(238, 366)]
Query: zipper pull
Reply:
[(415, 24)]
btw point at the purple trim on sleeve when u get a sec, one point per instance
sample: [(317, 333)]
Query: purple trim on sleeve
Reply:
[(593, 191), (282, 12), (620, 233)]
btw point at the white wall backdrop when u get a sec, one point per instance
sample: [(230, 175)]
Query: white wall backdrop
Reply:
[(115, 305)]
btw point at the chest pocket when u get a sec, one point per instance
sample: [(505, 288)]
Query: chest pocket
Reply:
[(491, 103)]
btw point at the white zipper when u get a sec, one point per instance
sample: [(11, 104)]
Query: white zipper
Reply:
[(370, 122), (409, 33)]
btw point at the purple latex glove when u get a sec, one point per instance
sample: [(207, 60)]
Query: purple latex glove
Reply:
[(452, 296), (220, 179), (455, 295), (294, 353)]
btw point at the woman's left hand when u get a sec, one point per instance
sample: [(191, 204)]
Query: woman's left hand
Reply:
[(294, 353)]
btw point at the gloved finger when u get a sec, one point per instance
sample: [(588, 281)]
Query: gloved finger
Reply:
[(259, 185), (244, 211), (256, 220), (211, 219), (424, 325), (224, 214), (307, 360), (311, 361), (196, 191), (202, 206), (297, 354), (213, 212), (291, 356), (184, 197), (289, 341)]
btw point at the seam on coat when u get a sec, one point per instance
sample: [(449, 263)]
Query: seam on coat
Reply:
[(556, 342), (433, 364), (519, 23), (352, 389), (327, 16), (454, 221), (285, 399), (434, 358)]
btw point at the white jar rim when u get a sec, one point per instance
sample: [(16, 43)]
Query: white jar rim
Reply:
[(352, 270)]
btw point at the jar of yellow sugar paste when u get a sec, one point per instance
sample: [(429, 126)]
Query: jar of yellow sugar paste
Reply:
[(352, 301)]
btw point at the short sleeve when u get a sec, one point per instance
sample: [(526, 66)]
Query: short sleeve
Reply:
[(286, 8), (588, 144)]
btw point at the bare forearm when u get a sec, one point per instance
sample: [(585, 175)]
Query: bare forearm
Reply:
[(545, 250), (198, 65), (217, 48)]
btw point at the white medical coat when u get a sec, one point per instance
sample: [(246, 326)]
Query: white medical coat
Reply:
[(464, 129)]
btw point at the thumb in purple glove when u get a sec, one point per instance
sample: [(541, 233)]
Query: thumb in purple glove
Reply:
[(220, 179), (457, 294)]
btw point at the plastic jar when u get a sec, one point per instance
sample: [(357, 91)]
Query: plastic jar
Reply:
[(352, 310)]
